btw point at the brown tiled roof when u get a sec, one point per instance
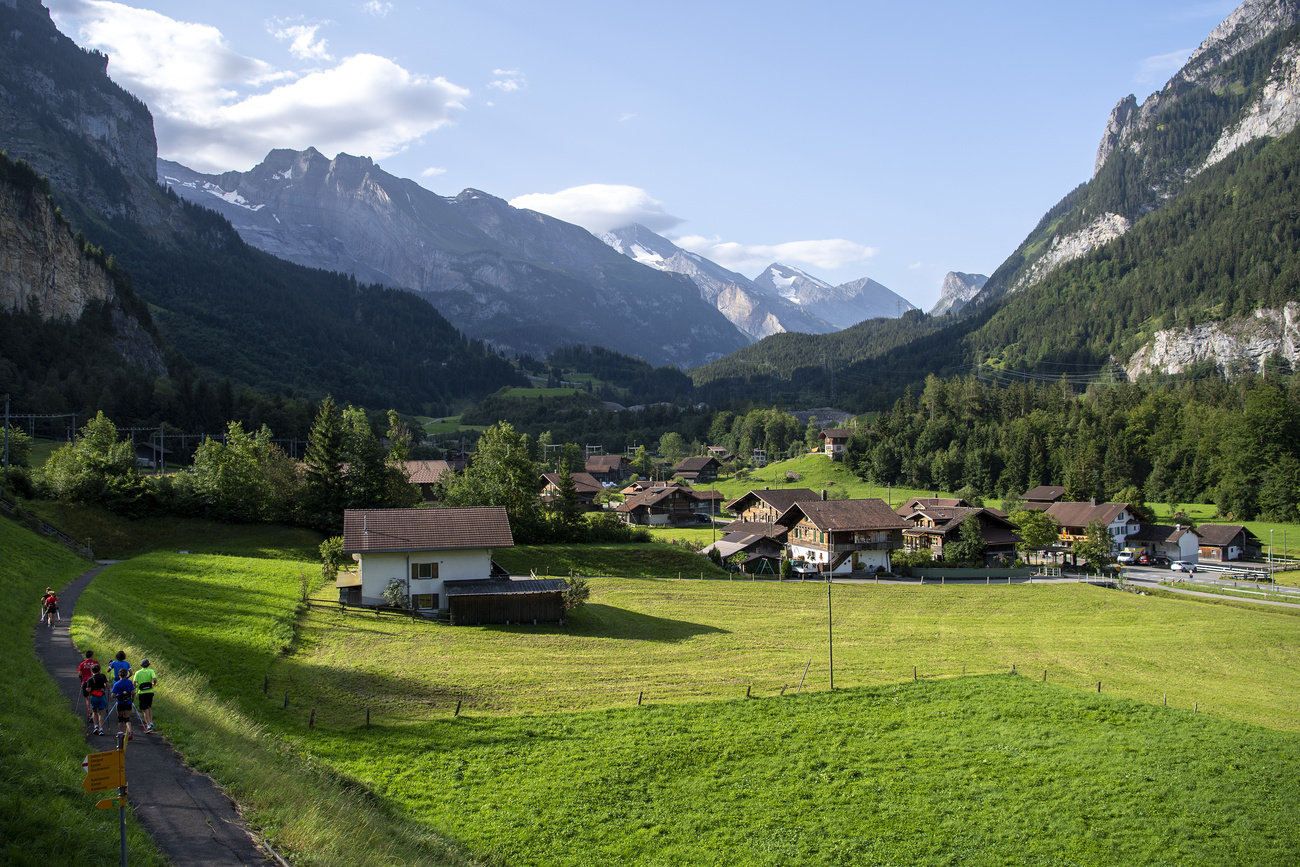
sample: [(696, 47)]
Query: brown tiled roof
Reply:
[(425, 472), (612, 462), (758, 528), (1222, 535), (695, 465), (838, 432), (585, 482), (917, 503), (828, 515), (653, 497), (1044, 493), (780, 499), (1160, 533), (375, 530), (997, 528), (1082, 514)]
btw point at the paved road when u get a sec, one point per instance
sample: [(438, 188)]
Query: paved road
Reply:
[(192, 821)]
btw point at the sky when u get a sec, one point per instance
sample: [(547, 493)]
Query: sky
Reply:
[(896, 141)]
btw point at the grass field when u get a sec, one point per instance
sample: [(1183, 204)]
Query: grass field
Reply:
[(446, 425), (644, 560), (552, 762), (46, 818)]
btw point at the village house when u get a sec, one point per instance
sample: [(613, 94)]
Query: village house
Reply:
[(609, 469), (762, 553), (1042, 497), (768, 505), (1074, 518), (586, 485), (703, 469), (426, 474), (844, 535), (933, 527), (665, 505), (1164, 540), (917, 503), (835, 441), (1224, 542), (442, 560)]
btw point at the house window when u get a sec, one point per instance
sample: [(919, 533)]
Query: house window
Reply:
[(426, 600), (423, 570)]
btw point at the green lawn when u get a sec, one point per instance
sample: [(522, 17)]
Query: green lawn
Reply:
[(552, 762), (642, 560), (46, 818)]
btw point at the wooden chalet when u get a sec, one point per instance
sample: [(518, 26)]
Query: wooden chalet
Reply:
[(1042, 497), (767, 504), (1174, 541), (585, 484), (836, 441), (609, 469), (703, 469), (665, 505), (1074, 518), (933, 527), (426, 474), (1224, 542), (844, 535), (917, 503)]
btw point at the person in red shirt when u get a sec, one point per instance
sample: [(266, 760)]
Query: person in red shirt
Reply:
[(84, 671)]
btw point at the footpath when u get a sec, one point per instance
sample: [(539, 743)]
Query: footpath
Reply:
[(192, 821)]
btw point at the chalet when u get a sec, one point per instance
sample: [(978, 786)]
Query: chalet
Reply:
[(835, 441), (1074, 518), (421, 549), (1224, 542), (844, 535), (777, 532), (1042, 497), (1163, 540), (721, 453), (933, 527), (767, 504), (918, 503), (586, 485), (703, 469), (610, 469), (762, 552), (664, 505), (640, 486), (426, 474)]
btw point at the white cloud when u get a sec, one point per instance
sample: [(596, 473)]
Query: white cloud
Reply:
[(302, 41), (625, 116), (601, 207), (378, 9), (215, 109), (433, 172), (1154, 71), (509, 80), (827, 254)]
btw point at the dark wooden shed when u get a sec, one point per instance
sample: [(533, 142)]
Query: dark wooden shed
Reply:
[(538, 600)]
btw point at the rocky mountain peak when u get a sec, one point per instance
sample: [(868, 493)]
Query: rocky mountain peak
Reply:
[(1245, 26), (1116, 127), (958, 288)]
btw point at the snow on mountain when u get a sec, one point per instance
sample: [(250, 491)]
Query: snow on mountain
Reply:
[(842, 306)]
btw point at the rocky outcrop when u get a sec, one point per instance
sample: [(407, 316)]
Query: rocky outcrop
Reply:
[(841, 306), (958, 288), (1234, 347), (1246, 26), (1118, 129), (1275, 113), (520, 280), (1067, 248)]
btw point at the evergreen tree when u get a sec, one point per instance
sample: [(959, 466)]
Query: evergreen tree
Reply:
[(324, 492)]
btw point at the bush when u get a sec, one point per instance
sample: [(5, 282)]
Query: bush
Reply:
[(576, 594), (395, 594)]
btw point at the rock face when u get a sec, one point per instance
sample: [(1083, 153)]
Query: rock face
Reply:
[(520, 280), (1118, 128), (1067, 248), (43, 264), (1234, 347), (1275, 113), (841, 306), (753, 311), (59, 111), (957, 289)]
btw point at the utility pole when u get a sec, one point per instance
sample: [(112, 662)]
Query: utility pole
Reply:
[(830, 644), (6, 432)]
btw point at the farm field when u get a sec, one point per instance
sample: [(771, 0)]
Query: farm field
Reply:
[(551, 761)]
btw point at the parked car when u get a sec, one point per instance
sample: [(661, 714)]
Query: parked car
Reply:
[(1180, 566), (803, 567), (1125, 558)]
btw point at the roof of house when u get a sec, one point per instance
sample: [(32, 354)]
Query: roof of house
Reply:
[(649, 484), (1044, 493), (733, 542), (605, 462), (780, 499), (585, 482), (695, 465), (832, 515), (1160, 533), (503, 587), (425, 472), (1223, 535), (995, 529), (916, 503), (654, 496), (761, 528), (380, 530), (838, 432), (1083, 514)]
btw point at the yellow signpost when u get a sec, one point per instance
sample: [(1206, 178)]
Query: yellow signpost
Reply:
[(104, 771), (108, 804)]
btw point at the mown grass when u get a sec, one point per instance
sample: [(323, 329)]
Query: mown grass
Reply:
[(113, 537), (642, 560), (552, 762), (213, 627), (46, 818)]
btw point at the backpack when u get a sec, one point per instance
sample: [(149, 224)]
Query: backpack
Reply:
[(51, 602)]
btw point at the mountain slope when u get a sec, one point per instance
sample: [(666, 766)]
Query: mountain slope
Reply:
[(958, 288), (523, 281), (842, 306), (752, 311)]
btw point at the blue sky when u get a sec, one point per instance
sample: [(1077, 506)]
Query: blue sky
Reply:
[(891, 140)]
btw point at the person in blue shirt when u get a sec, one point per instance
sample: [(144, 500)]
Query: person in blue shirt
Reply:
[(124, 692), (119, 665)]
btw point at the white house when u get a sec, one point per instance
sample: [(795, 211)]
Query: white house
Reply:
[(1074, 518), (421, 549)]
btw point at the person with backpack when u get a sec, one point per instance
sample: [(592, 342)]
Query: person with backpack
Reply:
[(50, 607), (124, 692), (84, 671), (119, 665), (146, 680), (97, 694)]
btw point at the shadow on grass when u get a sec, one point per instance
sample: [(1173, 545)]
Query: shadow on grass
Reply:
[(595, 620)]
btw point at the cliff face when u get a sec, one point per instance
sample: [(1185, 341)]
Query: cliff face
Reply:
[(957, 289), (60, 112), (1236, 346)]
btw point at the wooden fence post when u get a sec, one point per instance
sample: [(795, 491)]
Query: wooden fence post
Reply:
[(914, 674), (367, 717), (311, 720), (1044, 675), (1013, 668), (1166, 700), (747, 689), (640, 695), (1099, 686), (266, 684), (457, 713), (286, 698)]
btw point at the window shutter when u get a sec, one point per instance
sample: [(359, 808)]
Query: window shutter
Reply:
[(415, 571)]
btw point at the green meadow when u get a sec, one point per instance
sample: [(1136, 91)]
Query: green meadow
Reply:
[(627, 737)]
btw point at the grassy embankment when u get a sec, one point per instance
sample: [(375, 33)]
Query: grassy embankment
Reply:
[(46, 818), (551, 762)]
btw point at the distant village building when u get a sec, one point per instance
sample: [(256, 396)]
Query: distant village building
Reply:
[(844, 535), (836, 442)]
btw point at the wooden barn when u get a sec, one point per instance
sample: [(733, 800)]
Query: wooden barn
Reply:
[(478, 602)]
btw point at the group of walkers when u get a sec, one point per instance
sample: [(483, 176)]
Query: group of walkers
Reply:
[(126, 688), (49, 607)]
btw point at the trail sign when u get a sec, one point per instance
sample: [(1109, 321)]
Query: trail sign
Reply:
[(105, 770), (108, 804)]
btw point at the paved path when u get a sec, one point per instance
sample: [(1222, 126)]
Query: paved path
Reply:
[(190, 819)]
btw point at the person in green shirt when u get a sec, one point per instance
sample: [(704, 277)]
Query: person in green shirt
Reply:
[(146, 680)]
